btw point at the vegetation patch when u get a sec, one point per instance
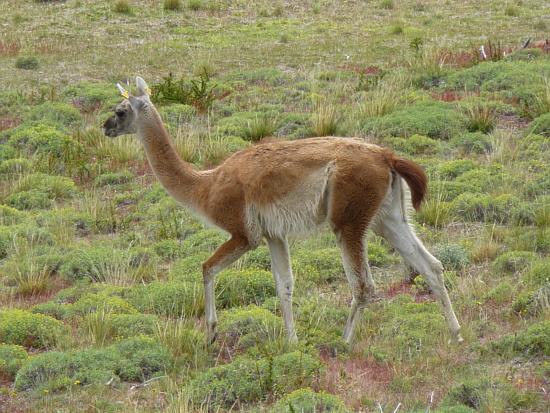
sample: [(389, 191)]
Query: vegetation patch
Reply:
[(435, 120), (249, 326), (30, 330), (306, 400), (534, 341), (242, 287), (247, 380), (135, 359), (12, 357)]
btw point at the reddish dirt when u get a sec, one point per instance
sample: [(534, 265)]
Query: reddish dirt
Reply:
[(405, 287), (8, 123), (9, 48), (355, 379)]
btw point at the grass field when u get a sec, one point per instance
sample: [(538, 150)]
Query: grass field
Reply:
[(101, 293)]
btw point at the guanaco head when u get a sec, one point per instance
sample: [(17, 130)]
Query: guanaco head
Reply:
[(130, 111)]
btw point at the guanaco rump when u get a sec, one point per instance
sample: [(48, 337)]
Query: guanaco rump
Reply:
[(277, 189)]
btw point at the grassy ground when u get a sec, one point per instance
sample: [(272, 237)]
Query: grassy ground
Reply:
[(100, 282)]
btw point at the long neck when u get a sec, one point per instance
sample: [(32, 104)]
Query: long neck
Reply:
[(177, 176)]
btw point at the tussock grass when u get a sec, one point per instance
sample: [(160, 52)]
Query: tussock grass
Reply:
[(325, 117)]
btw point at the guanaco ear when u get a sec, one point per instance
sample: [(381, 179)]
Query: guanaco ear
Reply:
[(142, 88)]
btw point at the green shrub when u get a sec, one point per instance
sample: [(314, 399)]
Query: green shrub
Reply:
[(308, 401), (42, 139), (114, 178), (500, 294), (531, 342), (135, 359), (472, 143), (143, 358), (258, 258), (532, 303), (33, 199), (189, 268), (513, 261), (518, 81), (453, 256), (168, 298), (12, 358), (539, 274), (177, 113), (122, 6), (478, 207), (55, 112), (90, 96), (412, 328), (468, 393), (105, 264), (541, 125), (10, 216), (245, 380), (435, 120), (318, 265), (31, 235), (259, 127), (30, 330), (242, 287), (414, 145), (104, 301), (169, 249), (455, 168), (205, 240), (15, 166), (27, 63), (7, 152), (130, 325), (55, 187), (172, 5), (249, 326)]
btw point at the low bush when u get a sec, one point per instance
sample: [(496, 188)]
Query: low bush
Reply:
[(26, 200), (174, 299), (55, 113), (534, 341), (245, 380), (249, 326), (10, 216), (30, 330), (318, 265), (100, 301), (453, 256), (134, 359), (88, 96), (469, 393), (308, 401), (453, 169), (472, 143), (16, 166), (413, 328), (12, 358), (41, 139), (414, 145), (114, 178), (541, 125), (189, 268), (204, 240), (539, 274), (478, 207), (27, 63), (243, 287), (130, 325), (56, 187), (436, 120), (513, 261)]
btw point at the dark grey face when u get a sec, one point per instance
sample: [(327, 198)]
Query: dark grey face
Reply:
[(122, 122)]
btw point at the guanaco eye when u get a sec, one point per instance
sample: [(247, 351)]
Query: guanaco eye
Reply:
[(120, 113)]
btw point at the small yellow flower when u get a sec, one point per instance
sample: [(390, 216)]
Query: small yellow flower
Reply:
[(46, 391), (77, 382)]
